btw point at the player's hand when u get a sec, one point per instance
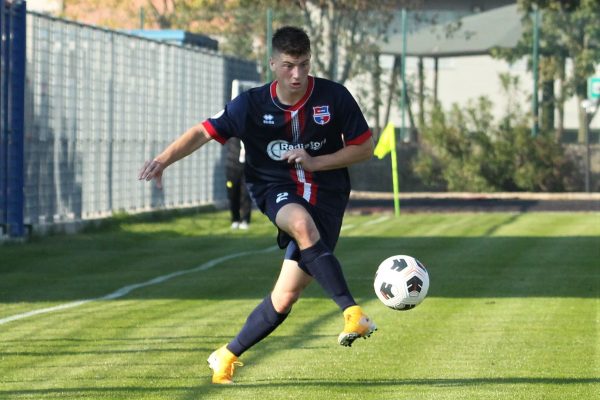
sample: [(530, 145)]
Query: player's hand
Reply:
[(152, 169), (301, 157)]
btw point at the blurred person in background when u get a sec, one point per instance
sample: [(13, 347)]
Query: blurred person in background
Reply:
[(240, 203)]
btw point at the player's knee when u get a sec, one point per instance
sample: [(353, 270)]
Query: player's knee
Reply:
[(304, 231), (283, 301)]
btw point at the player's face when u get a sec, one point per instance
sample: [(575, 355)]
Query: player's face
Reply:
[(291, 73)]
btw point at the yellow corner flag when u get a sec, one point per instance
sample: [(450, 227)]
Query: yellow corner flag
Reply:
[(387, 141), (387, 144)]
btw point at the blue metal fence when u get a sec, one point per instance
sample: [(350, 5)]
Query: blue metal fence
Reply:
[(3, 110), (12, 99), (82, 107)]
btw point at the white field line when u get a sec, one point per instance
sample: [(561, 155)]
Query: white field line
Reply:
[(371, 222), (376, 220), (129, 288)]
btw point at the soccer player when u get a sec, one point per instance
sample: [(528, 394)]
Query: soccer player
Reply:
[(300, 133)]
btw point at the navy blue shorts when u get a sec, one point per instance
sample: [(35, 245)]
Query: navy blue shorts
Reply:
[(329, 224)]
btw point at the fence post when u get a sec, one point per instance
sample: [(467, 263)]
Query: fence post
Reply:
[(4, 19), (15, 62)]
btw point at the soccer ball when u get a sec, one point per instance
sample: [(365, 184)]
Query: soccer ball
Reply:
[(401, 282)]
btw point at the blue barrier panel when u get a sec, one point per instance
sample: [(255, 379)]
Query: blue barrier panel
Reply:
[(16, 62), (4, 19)]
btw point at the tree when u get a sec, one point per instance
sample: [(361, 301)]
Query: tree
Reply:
[(344, 33), (569, 30), (107, 13)]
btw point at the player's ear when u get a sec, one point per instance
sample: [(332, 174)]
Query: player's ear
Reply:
[(272, 64)]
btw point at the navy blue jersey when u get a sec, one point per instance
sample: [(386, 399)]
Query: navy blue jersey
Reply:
[(325, 120)]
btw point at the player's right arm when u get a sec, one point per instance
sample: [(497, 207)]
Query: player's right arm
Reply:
[(190, 141)]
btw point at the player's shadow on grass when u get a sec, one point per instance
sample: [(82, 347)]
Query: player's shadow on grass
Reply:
[(186, 391), (444, 382)]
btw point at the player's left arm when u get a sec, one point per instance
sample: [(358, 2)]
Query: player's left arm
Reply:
[(346, 156)]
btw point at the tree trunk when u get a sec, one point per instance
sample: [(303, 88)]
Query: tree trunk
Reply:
[(421, 93), (391, 89), (560, 101), (435, 81), (376, 90), (582, 117), (413, 131), (547, 109)]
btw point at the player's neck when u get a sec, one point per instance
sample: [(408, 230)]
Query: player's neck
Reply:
[(289, 98)]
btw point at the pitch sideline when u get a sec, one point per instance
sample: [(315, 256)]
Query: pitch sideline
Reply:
[(129, 288)]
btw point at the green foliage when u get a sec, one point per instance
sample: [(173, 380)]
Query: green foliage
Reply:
[(568, 30), (464, 149)]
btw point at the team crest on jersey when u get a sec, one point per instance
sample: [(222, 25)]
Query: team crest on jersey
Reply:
[(321, 115)]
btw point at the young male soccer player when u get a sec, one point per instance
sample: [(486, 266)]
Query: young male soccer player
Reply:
[(300, 133)]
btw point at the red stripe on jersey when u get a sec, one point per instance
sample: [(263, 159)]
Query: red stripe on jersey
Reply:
[(299, 185), (213, 132), (313, 187), (302, 119), (305, 186), (363, 137)]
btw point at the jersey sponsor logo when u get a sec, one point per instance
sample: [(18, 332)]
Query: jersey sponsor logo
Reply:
[(277, 148), (321, 114), (281, 197), (268, 119)]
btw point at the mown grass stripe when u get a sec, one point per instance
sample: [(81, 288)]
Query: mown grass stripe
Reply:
[(125, 290)]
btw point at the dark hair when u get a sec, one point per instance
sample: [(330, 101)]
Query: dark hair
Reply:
[(291, 40)]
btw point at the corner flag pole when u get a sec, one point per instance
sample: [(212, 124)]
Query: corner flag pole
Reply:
[(395, 176)]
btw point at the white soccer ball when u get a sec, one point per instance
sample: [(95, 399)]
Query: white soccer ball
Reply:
[(401, 282)]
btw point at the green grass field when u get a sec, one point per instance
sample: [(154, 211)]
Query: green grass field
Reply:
[(512, 313)]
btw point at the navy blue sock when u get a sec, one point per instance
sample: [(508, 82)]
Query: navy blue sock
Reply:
[(327, 271), (260, 323)]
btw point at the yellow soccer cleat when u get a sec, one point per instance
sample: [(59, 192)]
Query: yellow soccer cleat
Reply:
[(223, 363), (357, 324)]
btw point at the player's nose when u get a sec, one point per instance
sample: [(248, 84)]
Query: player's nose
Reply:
[(296, 72)]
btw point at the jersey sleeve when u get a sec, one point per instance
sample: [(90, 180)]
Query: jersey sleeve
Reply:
[(228, 122), (354, 126)]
